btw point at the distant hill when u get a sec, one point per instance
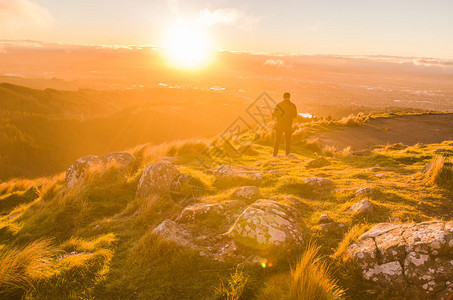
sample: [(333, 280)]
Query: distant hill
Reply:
[(42, 131)]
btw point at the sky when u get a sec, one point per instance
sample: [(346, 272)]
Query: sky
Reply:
[(347, 27)]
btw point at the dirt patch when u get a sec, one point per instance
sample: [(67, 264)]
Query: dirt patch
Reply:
[(408, 130)]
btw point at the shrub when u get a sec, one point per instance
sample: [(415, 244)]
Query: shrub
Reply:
[(234, 287)]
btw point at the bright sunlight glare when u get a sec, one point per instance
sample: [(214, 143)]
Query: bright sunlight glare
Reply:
[(187, 46)]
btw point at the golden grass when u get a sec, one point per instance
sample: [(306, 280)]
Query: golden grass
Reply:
[(329, 151), (440, 171), (311, 277), (354, 233), (19, 268)]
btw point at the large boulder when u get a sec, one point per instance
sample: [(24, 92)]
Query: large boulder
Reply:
[(414, 258), (157, 179), (124, 161), (266, 224), (211, 214), (226, 231)]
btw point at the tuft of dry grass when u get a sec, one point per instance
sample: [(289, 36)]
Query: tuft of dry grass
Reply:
[(354, 120), (313, 144), (329, 151), (354, 233), (19, 268), (311, 277), (440, 171)]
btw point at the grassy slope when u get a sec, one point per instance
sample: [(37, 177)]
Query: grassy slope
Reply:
[(121, 259)]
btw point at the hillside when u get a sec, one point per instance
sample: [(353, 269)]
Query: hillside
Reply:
[(170, 222)]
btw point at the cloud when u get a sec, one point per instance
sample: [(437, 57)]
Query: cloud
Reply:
[(275, 62), (20, 15), (227, 16)]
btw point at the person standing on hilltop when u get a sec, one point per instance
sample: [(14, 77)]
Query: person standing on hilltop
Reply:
[(284, 113)]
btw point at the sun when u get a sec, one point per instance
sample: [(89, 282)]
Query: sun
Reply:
[(187, 46)]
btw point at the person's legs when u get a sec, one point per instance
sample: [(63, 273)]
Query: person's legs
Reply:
[(288, 134), (278, 137)]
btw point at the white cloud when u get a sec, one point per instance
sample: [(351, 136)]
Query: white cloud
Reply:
[(20, 15), (227, 16), (275, 62)]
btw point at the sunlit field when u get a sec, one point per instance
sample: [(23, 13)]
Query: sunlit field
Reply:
[(292, 150)]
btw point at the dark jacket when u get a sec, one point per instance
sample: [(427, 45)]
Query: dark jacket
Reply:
[(285, 112)]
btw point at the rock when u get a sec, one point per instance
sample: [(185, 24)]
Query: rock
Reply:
[(426, 168), (247, 193), (238, 171), (414, 258), (323, 219), (360, 153), (365, 191), (185, 188), (318, 163), (77, 171), (213, 214), (363, 206), (156, 179), (319, 184), (174, 232), (266, 224)]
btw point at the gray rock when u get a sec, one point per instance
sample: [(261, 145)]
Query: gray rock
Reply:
[(238, 171), (266, 224), (157, 179), (213, 214), (247, 193), (363, 206), (75, 174), (414, 258), (365, 191), (323, 219), (176, 233)]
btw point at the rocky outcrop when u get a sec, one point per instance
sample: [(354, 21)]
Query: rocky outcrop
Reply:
[(246, 193), (414, 258), (213, 214), (156, 179), (75, 174), (232, 231), (266, 224)]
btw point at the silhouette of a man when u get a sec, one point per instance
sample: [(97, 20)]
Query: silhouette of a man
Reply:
[(284, 112)]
